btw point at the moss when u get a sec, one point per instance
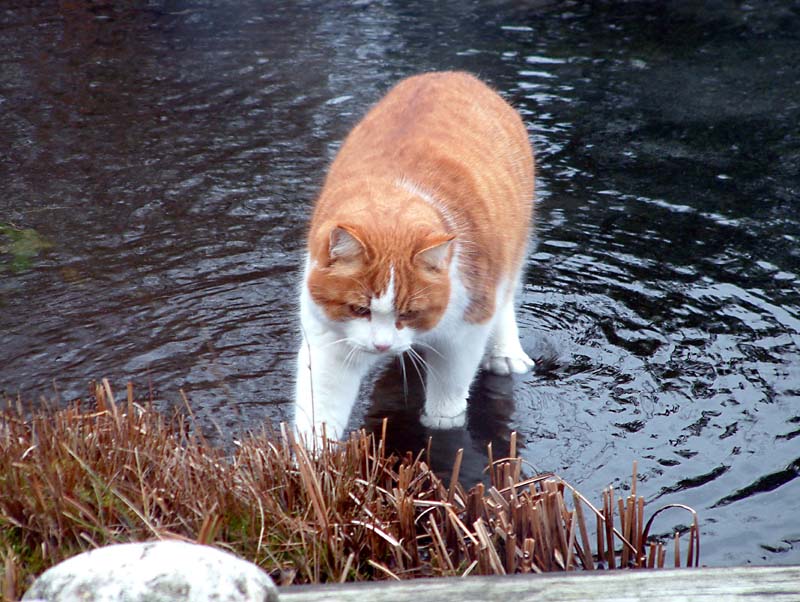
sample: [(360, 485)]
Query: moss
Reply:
[(22, 244)]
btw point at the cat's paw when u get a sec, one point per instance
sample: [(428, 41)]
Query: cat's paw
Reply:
[(504, 361), (445, 410), (443, 422)]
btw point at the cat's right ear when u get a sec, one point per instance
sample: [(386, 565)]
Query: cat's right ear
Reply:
[(345, 244), (435, 251)]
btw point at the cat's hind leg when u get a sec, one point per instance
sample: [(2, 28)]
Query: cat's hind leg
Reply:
[(452, 364), (504, 354)]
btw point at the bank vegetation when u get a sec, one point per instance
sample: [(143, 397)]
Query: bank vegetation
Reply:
[(113, 470)]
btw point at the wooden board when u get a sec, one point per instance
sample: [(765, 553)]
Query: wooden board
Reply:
[(683, 585)]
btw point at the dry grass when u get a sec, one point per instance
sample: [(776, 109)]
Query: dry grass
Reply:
[(79, 478)]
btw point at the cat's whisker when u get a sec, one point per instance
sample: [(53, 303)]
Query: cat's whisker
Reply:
[(431, 373), (349, 360), (428, 368), (352, 355), (414, 353), (348, 357), (336, 342), (405, 379), (431, 347), (415, 357)]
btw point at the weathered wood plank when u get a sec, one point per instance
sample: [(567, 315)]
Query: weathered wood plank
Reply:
[(753, 584)]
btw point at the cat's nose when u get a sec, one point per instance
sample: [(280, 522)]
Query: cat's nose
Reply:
[(381, 347)]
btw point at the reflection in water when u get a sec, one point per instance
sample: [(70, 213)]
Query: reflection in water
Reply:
[(488, 421), (168, 155)]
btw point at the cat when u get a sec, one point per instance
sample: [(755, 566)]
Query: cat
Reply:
[(416, 245)]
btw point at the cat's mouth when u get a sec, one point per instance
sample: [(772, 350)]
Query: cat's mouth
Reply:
[(380, 352)]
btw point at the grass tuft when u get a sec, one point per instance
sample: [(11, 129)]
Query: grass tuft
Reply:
[(116, 471)]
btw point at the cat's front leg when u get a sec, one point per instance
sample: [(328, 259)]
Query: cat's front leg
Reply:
[(328, 379), (452, 364), (505, 354)]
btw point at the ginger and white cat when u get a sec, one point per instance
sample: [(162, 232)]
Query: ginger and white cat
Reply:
[(416, 245)]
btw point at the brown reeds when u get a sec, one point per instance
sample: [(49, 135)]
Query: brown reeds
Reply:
[(84, 477)]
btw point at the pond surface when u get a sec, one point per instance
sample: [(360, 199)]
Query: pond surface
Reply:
[(159, 160)]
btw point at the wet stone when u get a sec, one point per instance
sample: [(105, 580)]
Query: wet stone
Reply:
[(160, 571)]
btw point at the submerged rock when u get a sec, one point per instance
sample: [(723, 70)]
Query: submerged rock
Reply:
[(154, 572)]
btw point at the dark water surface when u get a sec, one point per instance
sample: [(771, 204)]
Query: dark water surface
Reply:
[(161, 158)]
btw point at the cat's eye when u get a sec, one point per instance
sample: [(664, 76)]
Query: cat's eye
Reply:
[(408, 315), (360, 311)]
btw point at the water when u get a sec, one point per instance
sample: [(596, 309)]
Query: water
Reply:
[(161, 158)]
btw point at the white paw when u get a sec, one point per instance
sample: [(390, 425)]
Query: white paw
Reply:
[(505, 361), (443, 422)]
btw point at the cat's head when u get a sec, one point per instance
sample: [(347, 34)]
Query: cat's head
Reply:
[(381, 287)]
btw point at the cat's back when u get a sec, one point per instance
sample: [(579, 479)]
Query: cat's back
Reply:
[(451, 132), (453, 140)]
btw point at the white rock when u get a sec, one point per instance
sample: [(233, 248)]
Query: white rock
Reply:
[(155, 571)]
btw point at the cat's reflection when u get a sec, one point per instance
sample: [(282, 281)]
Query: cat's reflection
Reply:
[(491, 405)]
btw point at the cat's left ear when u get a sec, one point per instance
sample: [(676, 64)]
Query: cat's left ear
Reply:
[(345, 243), (435, 251)]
